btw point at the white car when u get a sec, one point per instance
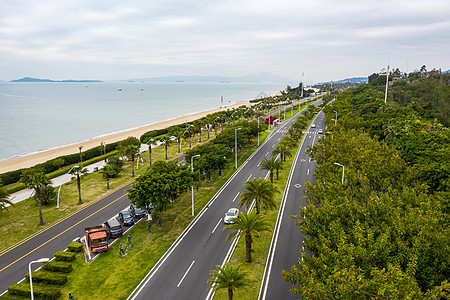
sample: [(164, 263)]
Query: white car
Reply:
[(320, 131), (231, 214), (313, 125)]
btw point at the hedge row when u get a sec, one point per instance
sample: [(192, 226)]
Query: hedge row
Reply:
[(75, 247), (64, 256), (51, 165), (47, 277), (42, 292), (57, 266), (152, 134)]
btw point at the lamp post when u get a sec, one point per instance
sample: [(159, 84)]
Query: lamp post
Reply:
[(235, 147), (343, 169), (29, 271), (258, 130), (335, 120), (192, 186), (59, 190)]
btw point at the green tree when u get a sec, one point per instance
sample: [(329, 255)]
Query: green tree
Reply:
[(48, 195), (150, 142), (261, 191), (108, 172), (283, 150), (78, 171), (248, 225), (4, 199), (228, 277), (131, 152), (270, 164), (160, 185), (35, 179), (58, 162), (165, 140)]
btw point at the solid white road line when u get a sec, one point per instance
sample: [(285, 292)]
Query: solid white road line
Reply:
[(216, 225), (179, 283)]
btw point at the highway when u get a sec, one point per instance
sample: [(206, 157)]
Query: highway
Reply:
[(206, 240), (14, 260), (183, 271), (287, 239)]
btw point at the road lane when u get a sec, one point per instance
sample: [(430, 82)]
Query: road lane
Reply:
[(287, 240), (14, 260)]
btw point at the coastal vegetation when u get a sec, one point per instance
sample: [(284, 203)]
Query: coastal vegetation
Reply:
[(379, 230)]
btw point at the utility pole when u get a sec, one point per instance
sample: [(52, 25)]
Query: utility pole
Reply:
[(387, 80)]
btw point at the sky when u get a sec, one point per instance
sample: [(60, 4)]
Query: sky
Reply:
[(311, 41)]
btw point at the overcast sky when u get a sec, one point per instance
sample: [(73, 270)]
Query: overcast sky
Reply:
[(325, 39)]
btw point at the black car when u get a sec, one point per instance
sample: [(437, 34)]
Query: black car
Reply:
[(137, 212), (126, 218), (113, 228)]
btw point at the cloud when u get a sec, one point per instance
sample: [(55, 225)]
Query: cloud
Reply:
[(116, 39)]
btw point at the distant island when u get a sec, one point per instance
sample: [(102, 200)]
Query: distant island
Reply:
[(30, 79)]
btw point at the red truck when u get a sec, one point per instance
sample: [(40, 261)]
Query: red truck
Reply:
[(96, 239)]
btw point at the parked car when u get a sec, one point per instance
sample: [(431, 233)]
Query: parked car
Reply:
[(230, 215), (137, 212), (126, 218), (113, 228)]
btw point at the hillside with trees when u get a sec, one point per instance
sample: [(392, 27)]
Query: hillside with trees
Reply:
[(382, 232)]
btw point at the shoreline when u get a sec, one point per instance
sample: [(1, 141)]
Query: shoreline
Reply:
[(32, 159)]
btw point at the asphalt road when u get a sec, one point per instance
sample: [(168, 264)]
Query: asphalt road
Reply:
[(183, 271), (287, 241), (14, 261)]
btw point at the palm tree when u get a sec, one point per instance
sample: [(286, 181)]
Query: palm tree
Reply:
[(108, 171), (198, 129), (248, 224), (228, 277), (131, 152), (261, 191), (150, 142), (4, 198), (165, 139), (283, 150), (78, 171), (33, 179), (269, 164)]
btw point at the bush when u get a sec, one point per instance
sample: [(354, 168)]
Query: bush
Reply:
[(75, 247), (151, 134), (43, 292), (48, 195), (47, 277), (65, 256), (57, 266)]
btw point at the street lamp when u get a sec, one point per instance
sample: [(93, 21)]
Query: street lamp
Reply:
[(343, 169), (335, 120), (258, 130), (235, 147), (59, 190), (192, 186), (29, 271)]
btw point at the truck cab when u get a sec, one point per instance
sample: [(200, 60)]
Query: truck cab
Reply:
[(96, 239)]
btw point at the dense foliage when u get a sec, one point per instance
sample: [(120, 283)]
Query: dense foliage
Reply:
[(383, 233)]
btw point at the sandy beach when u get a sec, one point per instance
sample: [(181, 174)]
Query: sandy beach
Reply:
[(34, 159)]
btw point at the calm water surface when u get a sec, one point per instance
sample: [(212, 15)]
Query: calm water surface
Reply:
[(40, 116)]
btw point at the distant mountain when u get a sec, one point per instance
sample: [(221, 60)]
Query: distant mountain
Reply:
[(263, 77), (353, 80), (31, 79), (448, 71)]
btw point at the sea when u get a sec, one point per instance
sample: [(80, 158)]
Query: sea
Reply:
[(35, 117)]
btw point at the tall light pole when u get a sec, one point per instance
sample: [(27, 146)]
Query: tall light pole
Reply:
[(29, 271), (59, 190), (387, 80), (235, 147), (343, 169), (258, 130), (192, 186), (335, 120)]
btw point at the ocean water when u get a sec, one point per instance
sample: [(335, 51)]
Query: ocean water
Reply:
[(36, 117)]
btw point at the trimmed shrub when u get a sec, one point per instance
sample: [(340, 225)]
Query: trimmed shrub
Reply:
[(75, 247), (42, 292), (57, 266), (64, 256), (47, 277)]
